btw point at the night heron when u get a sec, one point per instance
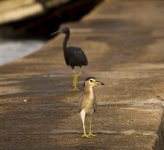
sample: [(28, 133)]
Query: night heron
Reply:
[(74, 56), (87, 103)]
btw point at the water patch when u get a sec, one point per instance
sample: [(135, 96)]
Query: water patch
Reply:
[(14, 49)]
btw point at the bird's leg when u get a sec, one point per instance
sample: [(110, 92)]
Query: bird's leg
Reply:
[(85, 134), (82, 113), (91, 126), (81, 72), (75, 81)]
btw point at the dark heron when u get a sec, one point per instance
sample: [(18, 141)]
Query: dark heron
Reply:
[(87, 103), (74, 56)]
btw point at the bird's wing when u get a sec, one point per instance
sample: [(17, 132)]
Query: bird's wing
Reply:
[(95, 103), (80, 103), (77, 56)]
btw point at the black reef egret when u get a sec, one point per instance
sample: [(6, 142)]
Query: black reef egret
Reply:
[(74, 56)]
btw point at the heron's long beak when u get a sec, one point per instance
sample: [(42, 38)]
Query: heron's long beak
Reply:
[(99, 83), (56, 32)]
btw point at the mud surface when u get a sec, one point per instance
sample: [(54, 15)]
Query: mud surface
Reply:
[(123, 41)]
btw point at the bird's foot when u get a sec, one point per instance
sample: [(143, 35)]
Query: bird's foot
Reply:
[(91, 135), (85, 136)]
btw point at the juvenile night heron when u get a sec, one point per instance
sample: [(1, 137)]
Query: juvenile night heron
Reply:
[(87, 104), (74, 56)]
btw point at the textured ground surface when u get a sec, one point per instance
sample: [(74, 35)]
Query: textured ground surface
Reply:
[(124, 44)]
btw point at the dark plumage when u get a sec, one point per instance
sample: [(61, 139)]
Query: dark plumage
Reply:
[(88, 78), (74, 56)]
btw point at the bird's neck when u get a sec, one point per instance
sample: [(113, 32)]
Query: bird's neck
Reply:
[(65, 41), (88, 90)]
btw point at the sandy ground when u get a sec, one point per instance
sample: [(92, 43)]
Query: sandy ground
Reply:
[(123, 41)]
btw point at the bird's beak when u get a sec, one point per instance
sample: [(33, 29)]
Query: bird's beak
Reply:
[(99, 83), (56, 32)]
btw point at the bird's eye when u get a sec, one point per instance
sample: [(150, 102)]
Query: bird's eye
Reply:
[(91, 80)]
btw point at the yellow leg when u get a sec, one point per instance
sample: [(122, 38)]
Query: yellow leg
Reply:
[(85, 134), (91, 125), (75, 80)]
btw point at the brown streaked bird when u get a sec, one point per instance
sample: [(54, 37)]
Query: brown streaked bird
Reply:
[(87, 103), (74, 56)]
